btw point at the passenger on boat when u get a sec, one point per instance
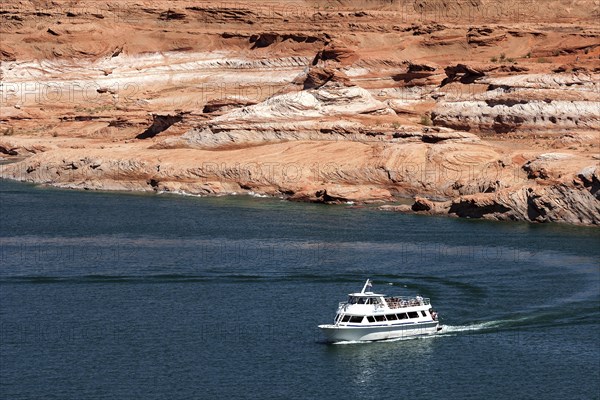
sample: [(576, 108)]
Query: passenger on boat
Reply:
[(419, 299)]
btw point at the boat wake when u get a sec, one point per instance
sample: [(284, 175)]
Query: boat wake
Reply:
[(351, 342), (486, 326), (478, 327)]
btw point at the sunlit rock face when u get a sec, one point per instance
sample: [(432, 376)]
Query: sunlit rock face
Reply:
[(475, 109)]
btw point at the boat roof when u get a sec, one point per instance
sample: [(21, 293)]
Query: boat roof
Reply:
[(365, 294)]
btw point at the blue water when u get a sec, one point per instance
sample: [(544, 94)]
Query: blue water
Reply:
[(129, 296)]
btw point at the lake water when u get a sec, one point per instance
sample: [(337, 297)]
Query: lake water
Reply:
[(131, 296)]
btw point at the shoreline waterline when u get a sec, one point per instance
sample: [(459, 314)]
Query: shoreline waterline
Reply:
[(380, 206)]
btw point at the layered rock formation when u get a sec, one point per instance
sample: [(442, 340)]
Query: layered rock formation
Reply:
[(474, 109), (525, 103)]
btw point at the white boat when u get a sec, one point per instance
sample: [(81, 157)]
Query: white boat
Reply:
[(368, 316)]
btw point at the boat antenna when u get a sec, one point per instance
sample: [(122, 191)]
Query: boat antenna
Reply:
[(367, 284)]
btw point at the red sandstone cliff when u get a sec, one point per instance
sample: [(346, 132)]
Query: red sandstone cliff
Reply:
[(488, 108)]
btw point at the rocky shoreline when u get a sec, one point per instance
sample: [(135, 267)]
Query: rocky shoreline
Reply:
[(536, 192)]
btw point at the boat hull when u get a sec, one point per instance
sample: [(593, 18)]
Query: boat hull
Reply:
[(341, 333)]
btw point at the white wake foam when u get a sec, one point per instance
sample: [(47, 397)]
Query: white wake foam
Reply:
[(352, 341), (471, 327)]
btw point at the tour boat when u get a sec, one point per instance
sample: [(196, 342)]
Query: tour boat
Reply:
[(368, 316)]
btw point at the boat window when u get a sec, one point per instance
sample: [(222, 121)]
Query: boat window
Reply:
[(370, 319), (356, 319), (375, 300), (413, 314), (423, 313), (351, 300), (361, 300), (380, 318), (346, 318), (368, 301), (402, 315), (391, 317)]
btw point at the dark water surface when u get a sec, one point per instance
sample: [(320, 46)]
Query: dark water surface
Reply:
[(125, 296)]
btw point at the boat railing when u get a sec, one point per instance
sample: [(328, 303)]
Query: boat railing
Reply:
[(402, 301), (396, 302)]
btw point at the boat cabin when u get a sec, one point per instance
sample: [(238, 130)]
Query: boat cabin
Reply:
[(365, 298), (372, 308)]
